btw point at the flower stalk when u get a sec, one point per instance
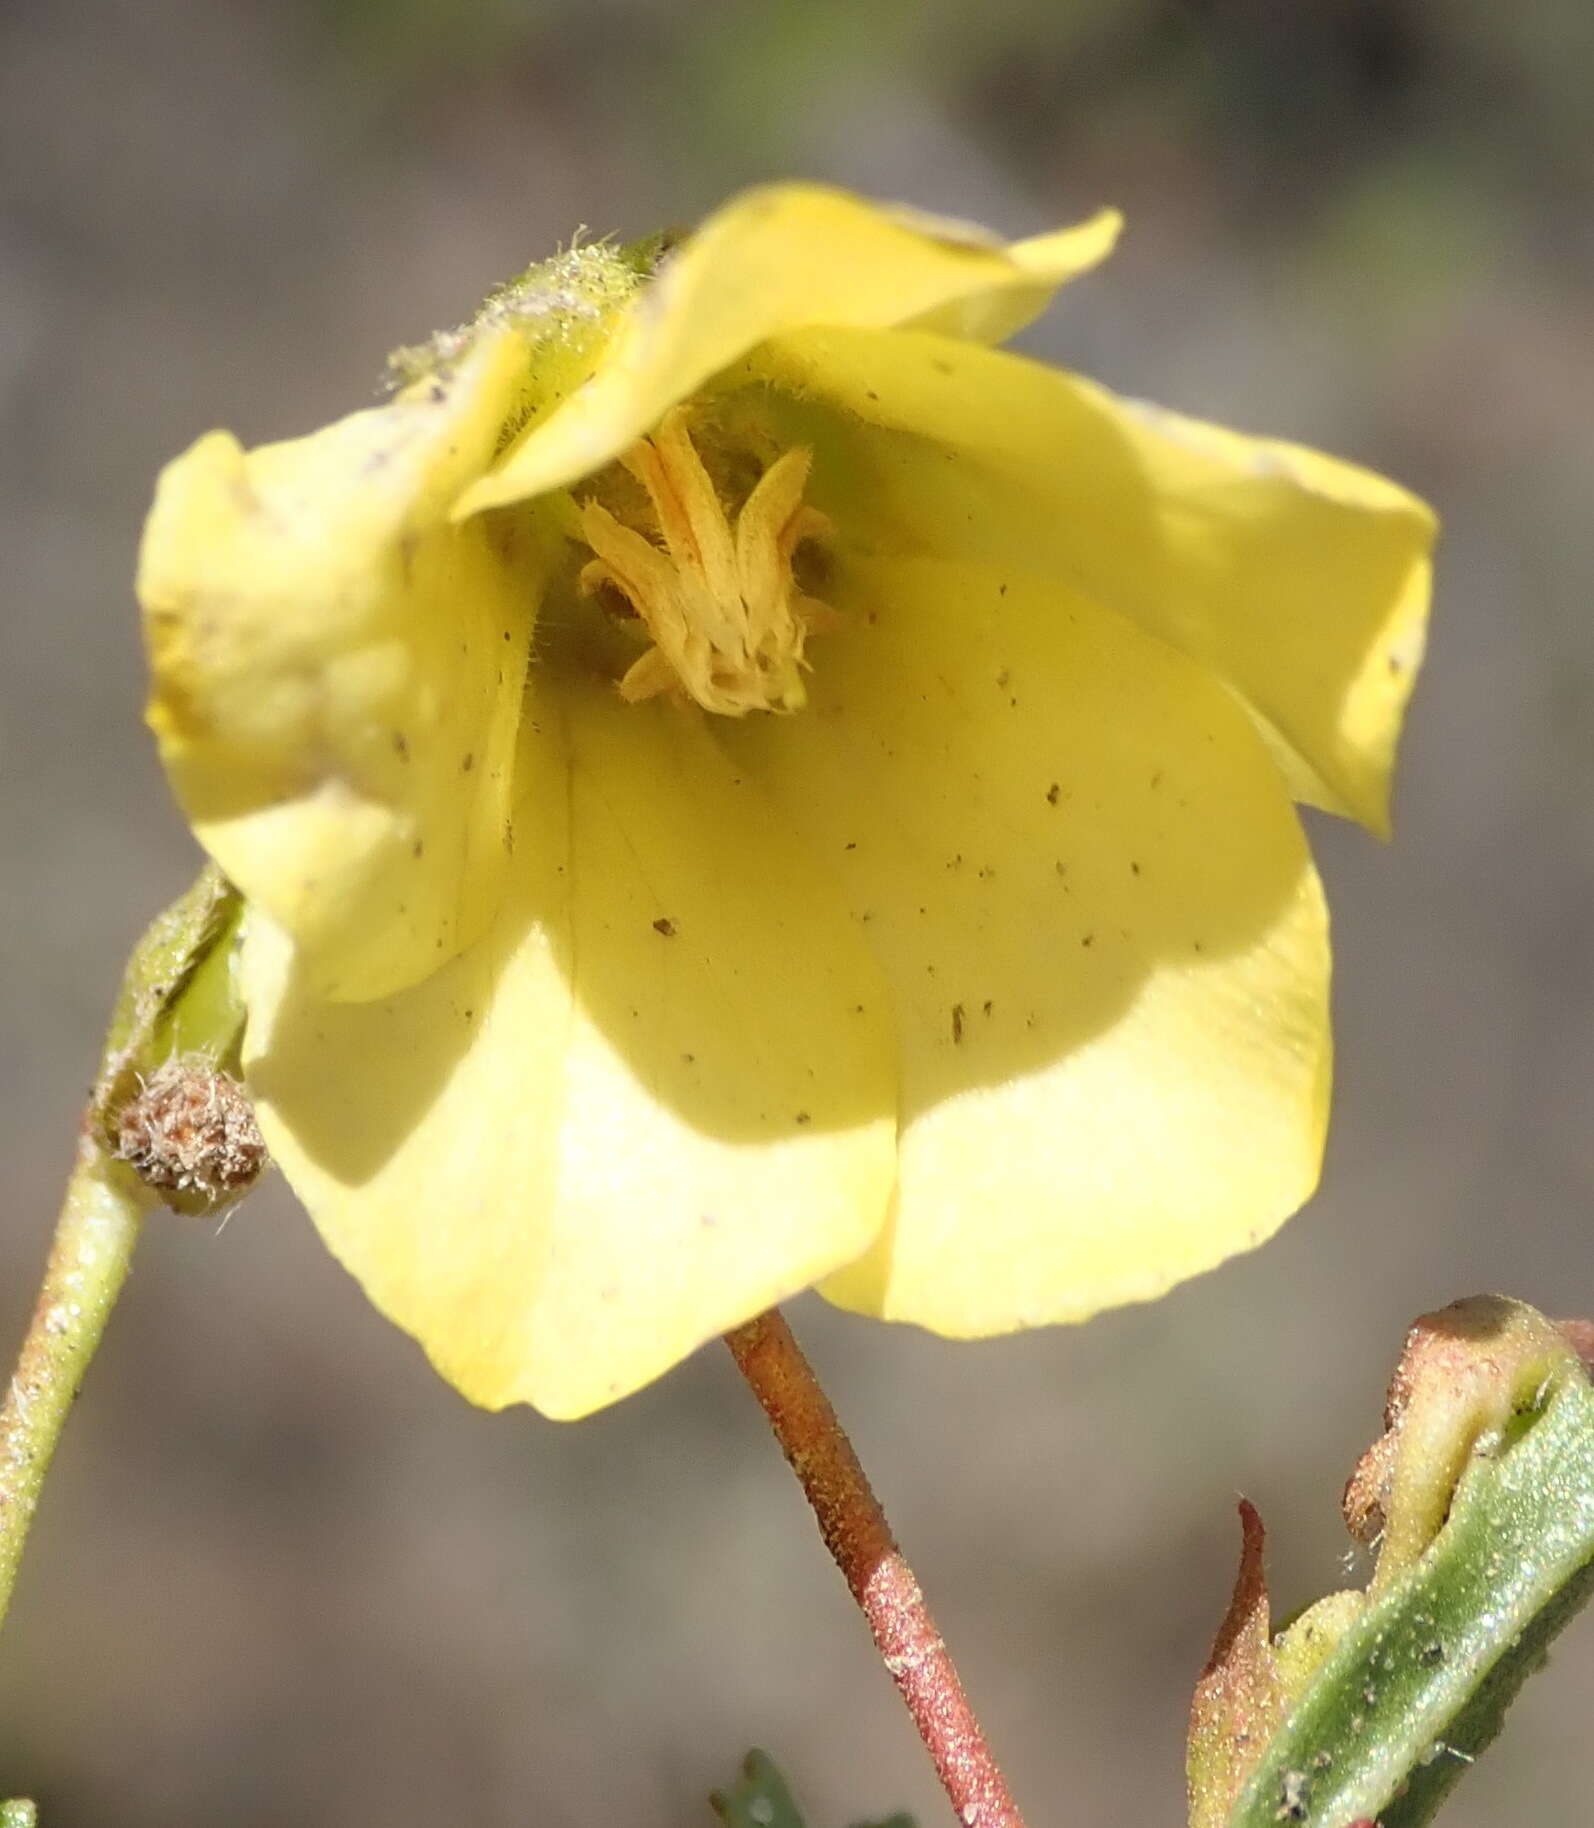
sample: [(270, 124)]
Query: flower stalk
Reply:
[(174, 1029), (93, 1246), (856, 1532)]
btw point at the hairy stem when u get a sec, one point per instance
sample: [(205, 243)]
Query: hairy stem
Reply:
[(88, 1264), (859, 1538)]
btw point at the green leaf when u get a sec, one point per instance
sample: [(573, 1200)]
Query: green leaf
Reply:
[(760, 1800), (1420, 1682)]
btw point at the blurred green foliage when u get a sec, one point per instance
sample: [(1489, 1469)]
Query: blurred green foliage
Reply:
[(1273, 88), (761, 1799)]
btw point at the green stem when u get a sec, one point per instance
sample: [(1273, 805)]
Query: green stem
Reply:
[(176, 997), (94, 1239)]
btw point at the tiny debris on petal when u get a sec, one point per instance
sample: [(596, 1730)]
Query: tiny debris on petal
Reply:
[(190, 1133)]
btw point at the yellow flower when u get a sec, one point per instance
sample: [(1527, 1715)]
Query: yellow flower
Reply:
[(740, 785)]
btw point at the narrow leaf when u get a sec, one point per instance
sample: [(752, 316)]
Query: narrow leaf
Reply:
[(1238, 1703), (1420, 1682)]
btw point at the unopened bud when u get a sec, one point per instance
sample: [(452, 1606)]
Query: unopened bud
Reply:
[(190, 1133)]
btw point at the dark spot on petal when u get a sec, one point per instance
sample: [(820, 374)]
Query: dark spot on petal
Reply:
[(664, 926), (438, 393), (1054, 793), (1001, 590), (401, 746), (1134, 868), (418, 848), (957, 1023), (468, 763), (850, 847), (988, 1006), (1088, 939), (690, 1059), (802, 1117), (470, 1015)]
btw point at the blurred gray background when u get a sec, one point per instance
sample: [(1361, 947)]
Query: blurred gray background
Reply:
[(282, 1574)]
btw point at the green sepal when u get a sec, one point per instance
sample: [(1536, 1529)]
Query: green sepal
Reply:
[(19, 1813), (178, 995), (563, 309), (645, 257), (1420, 1682)]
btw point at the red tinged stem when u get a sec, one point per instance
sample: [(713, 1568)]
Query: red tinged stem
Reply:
[(859, 1538)]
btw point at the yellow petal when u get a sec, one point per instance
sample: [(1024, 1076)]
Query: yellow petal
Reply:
[(1302, 580), (1036, 266), (773, 260), (1082, 875), (337, 673), (657, 1097)]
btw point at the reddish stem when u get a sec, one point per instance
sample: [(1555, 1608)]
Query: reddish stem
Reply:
[(857, 1535)]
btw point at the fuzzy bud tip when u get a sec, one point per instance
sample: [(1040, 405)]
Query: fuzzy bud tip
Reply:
[(190, 1133)]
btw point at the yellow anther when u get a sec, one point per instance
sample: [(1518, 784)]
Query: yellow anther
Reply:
[(727, 622)]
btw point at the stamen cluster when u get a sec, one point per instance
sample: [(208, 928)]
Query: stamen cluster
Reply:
[(728, 624)]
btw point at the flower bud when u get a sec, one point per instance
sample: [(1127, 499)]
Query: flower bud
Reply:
[(190, 1133)]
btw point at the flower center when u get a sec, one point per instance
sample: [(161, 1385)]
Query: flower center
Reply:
[(726, 619)]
